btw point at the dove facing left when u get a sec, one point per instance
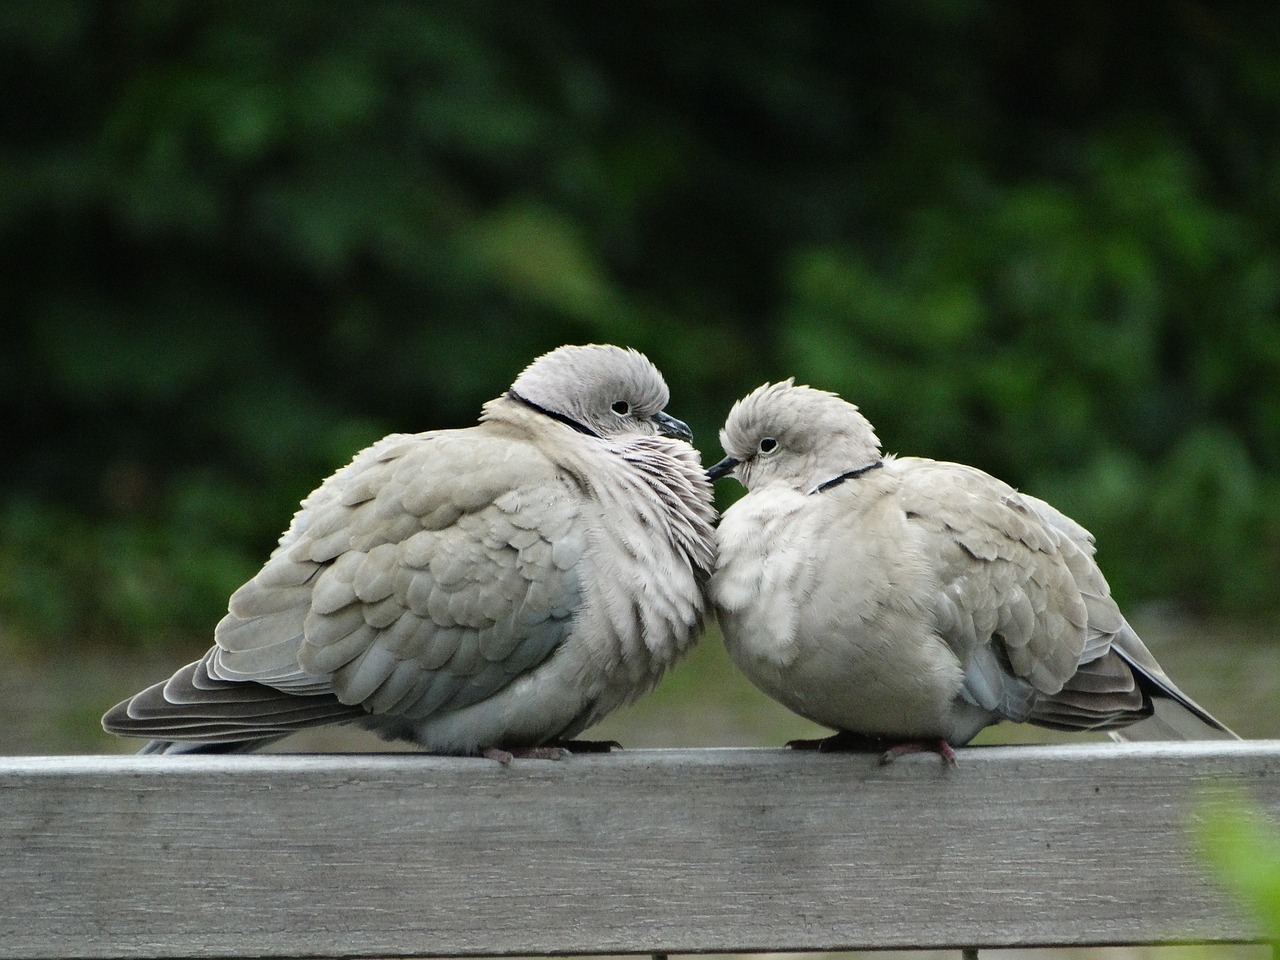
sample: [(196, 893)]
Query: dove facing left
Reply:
[(911, 602), (495, 589)]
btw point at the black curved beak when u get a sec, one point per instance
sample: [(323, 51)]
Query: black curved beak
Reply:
[(722, 469), (669, 426)]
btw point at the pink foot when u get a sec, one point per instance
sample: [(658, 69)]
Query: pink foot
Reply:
[(505, 757), (588, 746), (940, 747)]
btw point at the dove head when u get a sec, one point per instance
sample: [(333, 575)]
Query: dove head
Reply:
[(796, 435), (600, 389)]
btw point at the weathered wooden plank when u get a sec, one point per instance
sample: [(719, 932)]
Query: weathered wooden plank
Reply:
[(638, 851)]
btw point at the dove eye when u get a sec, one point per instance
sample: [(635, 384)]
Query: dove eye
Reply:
[(767, 446), (620, 407)]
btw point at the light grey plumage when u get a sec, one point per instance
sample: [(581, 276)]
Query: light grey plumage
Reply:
[(914, 600), (500, 586)]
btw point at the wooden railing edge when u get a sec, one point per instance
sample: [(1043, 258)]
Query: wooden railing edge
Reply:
[(638, 851)]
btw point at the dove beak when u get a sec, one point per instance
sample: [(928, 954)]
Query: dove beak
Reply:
[(722, 469), (669, 426)]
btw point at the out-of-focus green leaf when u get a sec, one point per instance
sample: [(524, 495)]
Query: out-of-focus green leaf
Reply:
[(1244, 851), (537, 256)]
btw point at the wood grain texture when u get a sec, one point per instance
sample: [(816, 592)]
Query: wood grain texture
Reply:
[(638, 851)]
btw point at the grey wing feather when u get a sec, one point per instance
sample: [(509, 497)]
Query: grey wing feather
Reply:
[(1126, 682), (425, 576), (1031, 616), (1007, 606), (1118, 683)]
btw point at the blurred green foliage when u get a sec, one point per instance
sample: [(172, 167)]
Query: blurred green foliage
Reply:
[(1243, 850), (239, 241)]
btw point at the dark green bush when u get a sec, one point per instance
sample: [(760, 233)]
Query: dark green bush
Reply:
[(239, 241)]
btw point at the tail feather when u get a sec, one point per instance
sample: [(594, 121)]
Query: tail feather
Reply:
[(1176, 716), (193, 712), (198, 747), (1173, 721)]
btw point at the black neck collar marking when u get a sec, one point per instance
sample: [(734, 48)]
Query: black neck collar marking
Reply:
[(567, 421), (851, 475)]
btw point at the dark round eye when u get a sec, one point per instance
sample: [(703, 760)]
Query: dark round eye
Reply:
[(768, 445), (621, 407)]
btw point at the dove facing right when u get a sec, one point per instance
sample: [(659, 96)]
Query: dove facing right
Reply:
[(493, 589), (912, 602)]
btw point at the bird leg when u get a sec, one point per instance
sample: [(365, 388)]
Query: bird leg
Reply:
[(588, 746), (939, 746), (505, 756), (556, 750), (847, 741), (841, 741)]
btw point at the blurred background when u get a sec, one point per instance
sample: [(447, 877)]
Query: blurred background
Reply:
[(238, 242)]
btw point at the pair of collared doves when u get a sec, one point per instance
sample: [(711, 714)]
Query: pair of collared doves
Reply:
[(910, 603), (495, 589)]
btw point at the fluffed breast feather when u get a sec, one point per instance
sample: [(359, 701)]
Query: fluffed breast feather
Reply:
[(651, 557)]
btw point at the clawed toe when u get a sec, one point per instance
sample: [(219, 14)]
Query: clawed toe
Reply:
[(843, 741), (588, 746), (940, 747), (505, 757)]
